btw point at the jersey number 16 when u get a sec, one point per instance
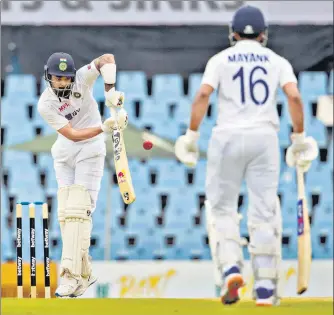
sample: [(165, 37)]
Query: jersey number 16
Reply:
[(252, 84)]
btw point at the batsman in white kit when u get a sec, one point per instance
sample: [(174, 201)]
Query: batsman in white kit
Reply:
[(68, 106), (244, 146)]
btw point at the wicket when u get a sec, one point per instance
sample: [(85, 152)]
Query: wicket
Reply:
[(33, 265)]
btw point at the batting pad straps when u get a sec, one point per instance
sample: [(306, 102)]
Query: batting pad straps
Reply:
[(108, 72)]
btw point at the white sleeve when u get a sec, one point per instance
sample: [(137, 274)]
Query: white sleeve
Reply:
[(287, 75), (88, 74), (50, 115), (211, 73)]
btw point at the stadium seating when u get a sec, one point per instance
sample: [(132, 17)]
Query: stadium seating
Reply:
[(167, 220)]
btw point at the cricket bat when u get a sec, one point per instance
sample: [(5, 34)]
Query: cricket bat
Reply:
[(304, 236), (122, 167)]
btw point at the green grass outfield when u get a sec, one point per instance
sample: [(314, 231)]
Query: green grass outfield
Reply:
[(159, 307)]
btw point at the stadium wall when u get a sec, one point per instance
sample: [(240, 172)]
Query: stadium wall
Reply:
[(158, 49)]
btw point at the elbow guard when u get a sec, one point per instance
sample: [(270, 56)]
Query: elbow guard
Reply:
[(108, 72)]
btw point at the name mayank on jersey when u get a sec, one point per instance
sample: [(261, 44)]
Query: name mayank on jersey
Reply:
[(249, 57)]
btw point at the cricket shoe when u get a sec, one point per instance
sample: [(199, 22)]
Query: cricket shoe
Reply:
[(86, 283), (266, 297), (233, 281), (68, 284)]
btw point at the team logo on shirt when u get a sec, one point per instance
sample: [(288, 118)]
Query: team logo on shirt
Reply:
[(63, 107), (71, 115), (76, 94)]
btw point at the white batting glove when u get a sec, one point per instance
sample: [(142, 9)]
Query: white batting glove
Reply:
[(302, 151), (186, 148), (114, 99), (122, 119), (109, 124), (119, 117)]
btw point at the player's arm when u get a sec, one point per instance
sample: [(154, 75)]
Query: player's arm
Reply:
[(303, 150), (200, 106), (288, 83), (79, 135), (106, 65), (295, 106), (63, 126), (186, 148)]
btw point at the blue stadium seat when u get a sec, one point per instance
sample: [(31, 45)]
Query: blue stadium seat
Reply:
[(319, 180), (166, 129), (194, 83), (193, 243), (284, 135), (149, 244), (200, 173), (139, 174), (331, 83), (133, 83), (285, 119), (313, 83), (322, 229), (118, 248), (45, 162), (43, 85), (169, 173), (167, 87), (152, 112), (184, 199), (21, 87), (139, 219), (15, 135), (182, 112), (289, 246), (280, 96), (288, 181), (98, 89), (13, 111), (318, 131), (329, 159)]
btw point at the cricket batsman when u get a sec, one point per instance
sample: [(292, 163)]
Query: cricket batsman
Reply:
[(68, 106), (244, 145)]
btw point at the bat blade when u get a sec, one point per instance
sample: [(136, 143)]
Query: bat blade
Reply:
[(304, 237), (122, 168)]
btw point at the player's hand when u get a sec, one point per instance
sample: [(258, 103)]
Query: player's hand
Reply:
[(302, 151), (109, 124), (114, 99), (122, 119), (186, 148)]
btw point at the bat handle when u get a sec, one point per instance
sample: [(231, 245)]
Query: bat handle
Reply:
[(300, 182)]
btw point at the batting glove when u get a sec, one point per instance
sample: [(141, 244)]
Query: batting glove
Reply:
[(114, 99), (302, 151), (186, 148)]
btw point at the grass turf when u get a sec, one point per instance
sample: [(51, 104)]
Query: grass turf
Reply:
[(159, 307)]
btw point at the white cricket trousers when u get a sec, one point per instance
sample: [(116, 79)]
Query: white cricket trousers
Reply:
[(233, 156), (81, 164)]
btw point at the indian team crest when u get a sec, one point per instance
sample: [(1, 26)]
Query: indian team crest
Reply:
[(76, 94), (62, 66)]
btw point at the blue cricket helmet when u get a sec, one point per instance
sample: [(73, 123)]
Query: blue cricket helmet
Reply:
[(61, 65), (248, 22)]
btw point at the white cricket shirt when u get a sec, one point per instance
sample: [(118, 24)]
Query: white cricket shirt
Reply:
[(247, 76)]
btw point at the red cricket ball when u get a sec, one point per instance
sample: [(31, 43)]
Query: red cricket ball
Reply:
[(147, 145)]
